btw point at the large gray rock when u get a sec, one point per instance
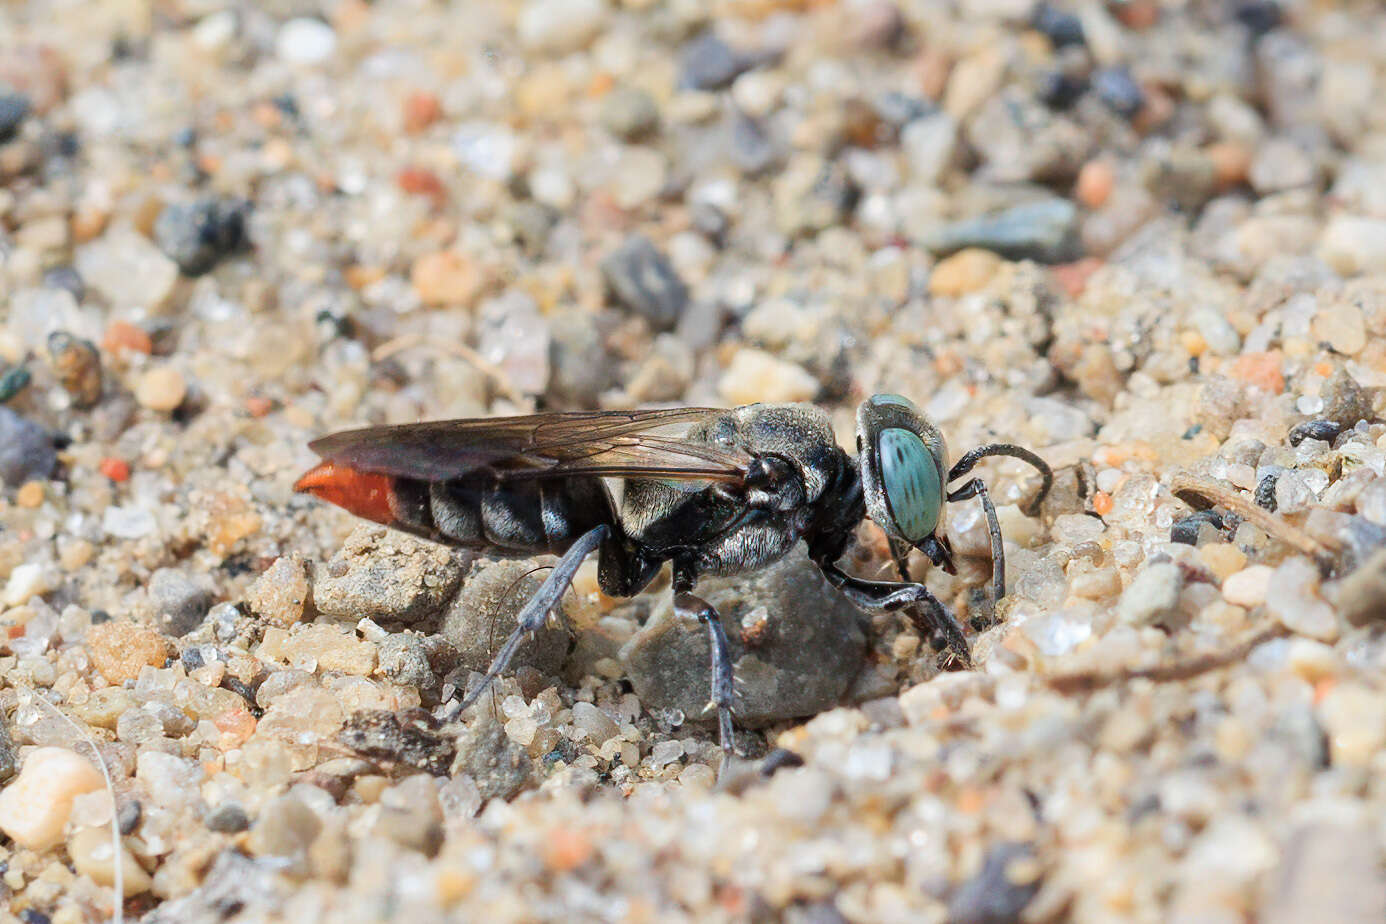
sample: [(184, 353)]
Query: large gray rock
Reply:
[(796, 646)]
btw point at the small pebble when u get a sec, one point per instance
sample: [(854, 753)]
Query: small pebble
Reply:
[(1247, 587), (35, 806), (92, 853), (282, 594), (642, 279), (1116, 88), (198, 235), (446, 277), (966, 271), (560, 25), (161, 389), (120, 649), (78, 367), (305, 41), (755, 375), (708, 63), (629, 113)]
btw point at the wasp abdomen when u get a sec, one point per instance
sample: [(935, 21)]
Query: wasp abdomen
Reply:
[(517, 518)]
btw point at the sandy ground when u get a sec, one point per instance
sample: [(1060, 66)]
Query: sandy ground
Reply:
[(1146, 240)]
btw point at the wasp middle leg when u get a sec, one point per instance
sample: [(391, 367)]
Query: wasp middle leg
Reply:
[(686, 605)]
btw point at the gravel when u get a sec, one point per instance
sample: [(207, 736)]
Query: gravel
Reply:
[(1144, 240)]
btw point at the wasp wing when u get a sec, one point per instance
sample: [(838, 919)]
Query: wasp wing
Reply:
[(605, 443)]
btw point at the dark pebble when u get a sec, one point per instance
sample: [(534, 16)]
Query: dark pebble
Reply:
[(196, 236), (26, 450), (1186, 530), (1044, 231), (643, 280), (129, 815), (1319, 429), (65, 277), (179, 602), (13, 108), (1116, 87), (708, 63), (13, 381), (229, 818), (1060, 27), (192, 658), (9, 755), (1059, 91), (1265, 493), (32, 916), (1259, 16), (991, 896)]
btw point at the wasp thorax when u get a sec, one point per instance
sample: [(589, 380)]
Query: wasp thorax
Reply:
[(902, 467)]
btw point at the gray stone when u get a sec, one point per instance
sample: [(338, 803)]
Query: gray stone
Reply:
[(9, 755), (1118, 89), (629, 113), (387, 576), (1345, 402), (417, 661), (197, 235), (26, 450), (13, 108), (499, 767), (1152, 596), (580, 367), (752, 149), (708, 63), (644, 281), (482, 617), (796, 645), (1361, 596), (285, 829), (411, 816), (1045, 231), (228, 818), (996, 894), (179, 601)]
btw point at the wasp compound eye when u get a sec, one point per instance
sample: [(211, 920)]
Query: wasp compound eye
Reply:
[(910, 477), (902, 467)]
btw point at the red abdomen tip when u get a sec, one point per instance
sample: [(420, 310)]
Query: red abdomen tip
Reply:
[(365, 494)]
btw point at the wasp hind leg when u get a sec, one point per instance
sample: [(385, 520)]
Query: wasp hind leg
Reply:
[(536, 612), (686, 605)]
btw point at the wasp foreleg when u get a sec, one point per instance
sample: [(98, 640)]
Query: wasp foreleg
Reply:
[(971, 458), (723, 687), (977, 488), (930, 615)]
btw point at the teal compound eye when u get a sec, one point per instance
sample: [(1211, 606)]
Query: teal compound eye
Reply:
[(910, 477)]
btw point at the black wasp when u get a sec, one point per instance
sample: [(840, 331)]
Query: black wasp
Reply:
[(732, 493)]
